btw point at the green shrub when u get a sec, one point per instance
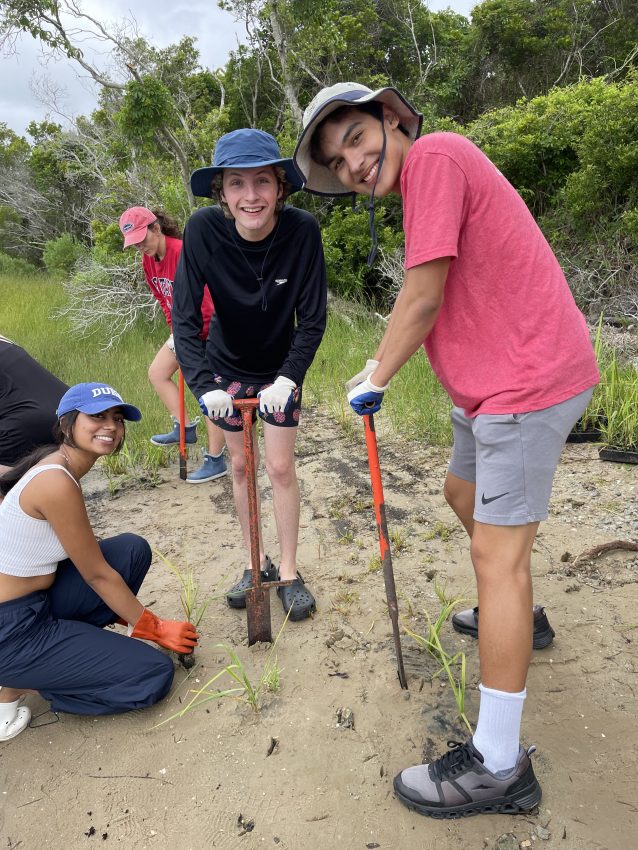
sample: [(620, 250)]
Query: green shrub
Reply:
[(347, 243), (15, 267), (61, 254)]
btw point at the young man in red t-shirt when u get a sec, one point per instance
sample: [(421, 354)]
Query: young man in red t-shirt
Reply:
[(486, 297)]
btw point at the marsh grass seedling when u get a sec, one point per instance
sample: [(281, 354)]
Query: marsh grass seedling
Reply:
[(343, 600), (454, 666), (134, 465), (374, 564), (346, 538), (242, 687), (439, 530), (399, 541), (194, 608)]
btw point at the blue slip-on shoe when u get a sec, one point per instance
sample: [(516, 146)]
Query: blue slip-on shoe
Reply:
[(213, 467), (172, 438)]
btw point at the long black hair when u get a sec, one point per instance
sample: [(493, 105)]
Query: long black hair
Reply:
[(62, 435)]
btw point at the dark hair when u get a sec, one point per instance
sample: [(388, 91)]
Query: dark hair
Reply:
[(168, 225), (62, 435), (280, 173), (372, 107)]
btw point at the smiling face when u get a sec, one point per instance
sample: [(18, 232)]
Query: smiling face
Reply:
[(99, 433), (251, 195), (154, 243), (350, 146)]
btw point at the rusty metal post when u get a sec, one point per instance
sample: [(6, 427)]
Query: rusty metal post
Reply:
[(182, 429), (257, 596), (384, 541)]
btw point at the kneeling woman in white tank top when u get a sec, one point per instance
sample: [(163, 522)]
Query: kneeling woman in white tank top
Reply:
[(59, 587)]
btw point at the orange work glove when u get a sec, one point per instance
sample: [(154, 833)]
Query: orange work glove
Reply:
[(171, 634)]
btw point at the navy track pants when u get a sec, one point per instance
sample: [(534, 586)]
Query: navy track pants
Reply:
[(54, 642)]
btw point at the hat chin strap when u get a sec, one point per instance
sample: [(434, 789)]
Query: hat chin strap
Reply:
[(370, 204)]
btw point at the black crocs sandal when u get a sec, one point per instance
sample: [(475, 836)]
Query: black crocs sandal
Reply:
[(297, 599), (236, 596)]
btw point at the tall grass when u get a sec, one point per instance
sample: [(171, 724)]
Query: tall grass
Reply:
[(26, 309), (415, 405)]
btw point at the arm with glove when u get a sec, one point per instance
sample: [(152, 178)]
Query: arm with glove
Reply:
[(277, 396), (177, 636), (65, 510), (413, 317)]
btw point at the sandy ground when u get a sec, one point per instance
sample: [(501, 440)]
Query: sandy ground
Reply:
[(287, 776)]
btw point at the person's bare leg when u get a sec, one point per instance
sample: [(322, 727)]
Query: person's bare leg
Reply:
[(160, 374), (459, 494), (280, 466), (235, 445), (501, 556), (12, 694), (216, 440)]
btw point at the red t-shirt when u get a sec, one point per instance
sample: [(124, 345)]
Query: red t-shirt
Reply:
[(509, 337), (160, 277)]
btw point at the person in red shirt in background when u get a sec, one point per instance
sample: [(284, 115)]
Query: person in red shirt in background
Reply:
[(158, 238)]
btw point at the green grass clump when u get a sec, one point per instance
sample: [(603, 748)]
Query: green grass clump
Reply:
[(242, 687), (415, 405), (453, 666)]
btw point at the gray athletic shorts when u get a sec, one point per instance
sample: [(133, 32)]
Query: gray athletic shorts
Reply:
[(512, 457)]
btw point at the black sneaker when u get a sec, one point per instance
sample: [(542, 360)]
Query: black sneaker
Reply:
[(458, 785), (466, 622), (236, 596)]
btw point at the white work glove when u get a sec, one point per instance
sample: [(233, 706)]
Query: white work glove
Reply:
[(367, 370), (276, 397), (170, 344), (216, 404)]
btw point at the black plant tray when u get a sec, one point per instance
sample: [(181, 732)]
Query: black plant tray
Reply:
[(618, 455), (592, 436)]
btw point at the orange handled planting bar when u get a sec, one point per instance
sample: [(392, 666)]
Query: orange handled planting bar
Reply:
[(182, 429), (384, 541), (257, 596)]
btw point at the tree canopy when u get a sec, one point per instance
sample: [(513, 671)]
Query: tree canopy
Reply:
[(548, 88)]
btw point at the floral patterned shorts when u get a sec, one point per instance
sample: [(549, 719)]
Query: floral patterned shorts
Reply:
[(285, 419)]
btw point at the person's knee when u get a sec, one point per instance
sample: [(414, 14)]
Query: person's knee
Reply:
[(281, 470), (138, 546), (238, 465), (153, 374), (450, 493), (500, 560)]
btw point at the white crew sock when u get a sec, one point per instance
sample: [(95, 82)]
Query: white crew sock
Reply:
[(498, 728)]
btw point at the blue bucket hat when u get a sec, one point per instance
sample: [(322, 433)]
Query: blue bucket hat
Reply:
[(94, 398), (245, 148)]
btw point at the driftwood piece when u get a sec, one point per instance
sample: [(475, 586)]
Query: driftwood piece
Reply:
[(597, 551)]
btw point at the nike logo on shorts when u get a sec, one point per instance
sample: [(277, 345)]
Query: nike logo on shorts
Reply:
[(492, 498)]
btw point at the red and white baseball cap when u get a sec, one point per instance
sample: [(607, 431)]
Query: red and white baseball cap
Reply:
[(134, 224)]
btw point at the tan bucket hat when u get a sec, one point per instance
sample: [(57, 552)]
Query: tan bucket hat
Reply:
[(320, 180)]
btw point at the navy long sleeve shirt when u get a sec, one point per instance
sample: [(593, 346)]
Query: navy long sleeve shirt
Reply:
[(260, 328)]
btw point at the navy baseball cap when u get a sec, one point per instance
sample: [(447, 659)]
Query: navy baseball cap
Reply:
[(245, 148), (94, 398)]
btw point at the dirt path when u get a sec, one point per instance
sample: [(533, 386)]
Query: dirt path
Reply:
[(288, 777)]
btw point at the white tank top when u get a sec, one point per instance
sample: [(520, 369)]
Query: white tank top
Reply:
[(28, 546)]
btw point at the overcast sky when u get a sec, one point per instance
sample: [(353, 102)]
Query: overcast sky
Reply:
[(162, 24)]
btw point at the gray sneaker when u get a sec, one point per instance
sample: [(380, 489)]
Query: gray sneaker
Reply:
[(457, 785)]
